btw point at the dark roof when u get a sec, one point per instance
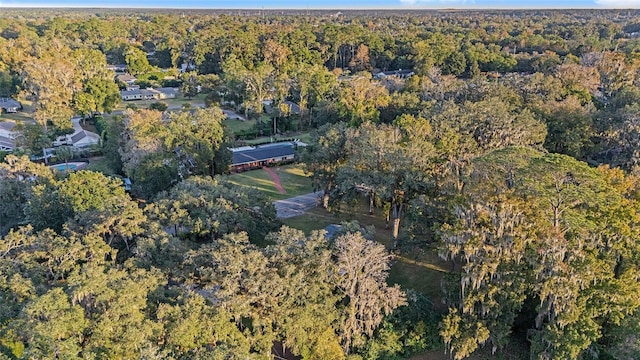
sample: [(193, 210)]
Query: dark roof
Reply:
[(78, 136), (131, 92), (7, 103), (264, 152), (293, 107)]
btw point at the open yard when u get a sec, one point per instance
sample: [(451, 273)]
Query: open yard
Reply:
[(305, 137), (17, 117), (293, 179), (237, 125), (100, 164)]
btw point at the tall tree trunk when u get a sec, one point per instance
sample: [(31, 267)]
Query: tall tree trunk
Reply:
[(387, 215), (372, 196), (395, 230), (325, 197)]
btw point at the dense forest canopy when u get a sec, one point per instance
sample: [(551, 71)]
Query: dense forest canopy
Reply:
[(507, 143)]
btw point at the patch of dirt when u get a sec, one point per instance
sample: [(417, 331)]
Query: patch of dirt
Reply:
[(276, 180)]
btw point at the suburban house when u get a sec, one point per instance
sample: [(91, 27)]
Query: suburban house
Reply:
[(84, 139), (7, 136), (166, 93), (137, 94), (8, 105), (252, 157), (80, 138), (398, 74), (148, 94), (126, 78)]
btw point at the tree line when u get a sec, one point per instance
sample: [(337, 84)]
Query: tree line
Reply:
[(512, 151)]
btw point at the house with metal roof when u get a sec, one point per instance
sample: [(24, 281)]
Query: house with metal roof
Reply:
[(7, 136), (252, 157)]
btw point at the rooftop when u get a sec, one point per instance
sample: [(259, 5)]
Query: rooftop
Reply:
[(6, 143), (262, 152), (8, 102), (7, 125)]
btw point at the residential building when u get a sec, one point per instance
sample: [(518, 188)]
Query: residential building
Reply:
[(8, 105), (148, 94), (138, 94), (126, 78), (7, 136), (252, 157), (80, 138)]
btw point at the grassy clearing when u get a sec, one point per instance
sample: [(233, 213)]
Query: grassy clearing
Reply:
[(294, 181), (237, 125), (304, 137), (17, 117), (100, 164)]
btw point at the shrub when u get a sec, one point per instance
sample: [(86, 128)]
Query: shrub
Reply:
[(160, 106)]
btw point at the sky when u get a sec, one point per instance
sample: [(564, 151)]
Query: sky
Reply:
[(325, 4)]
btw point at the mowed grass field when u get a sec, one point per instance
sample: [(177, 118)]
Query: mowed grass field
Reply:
[(237, 125), (294, 181)]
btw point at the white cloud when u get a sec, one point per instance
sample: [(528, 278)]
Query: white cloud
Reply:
[(618, 3)]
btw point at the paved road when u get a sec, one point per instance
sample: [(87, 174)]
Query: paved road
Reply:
[(297, 205)]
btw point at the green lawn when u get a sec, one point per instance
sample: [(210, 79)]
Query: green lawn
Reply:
[(100, 164), (237, 125), (17, 117), (294, 181)]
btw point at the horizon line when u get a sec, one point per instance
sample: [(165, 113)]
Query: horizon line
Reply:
[(406, 7)]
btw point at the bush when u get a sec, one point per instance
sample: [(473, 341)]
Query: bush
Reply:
[(411, 329), (171, 83), (101, 126), (160, 106)]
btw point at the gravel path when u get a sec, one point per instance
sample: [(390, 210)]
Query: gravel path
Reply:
[(297, 205)]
